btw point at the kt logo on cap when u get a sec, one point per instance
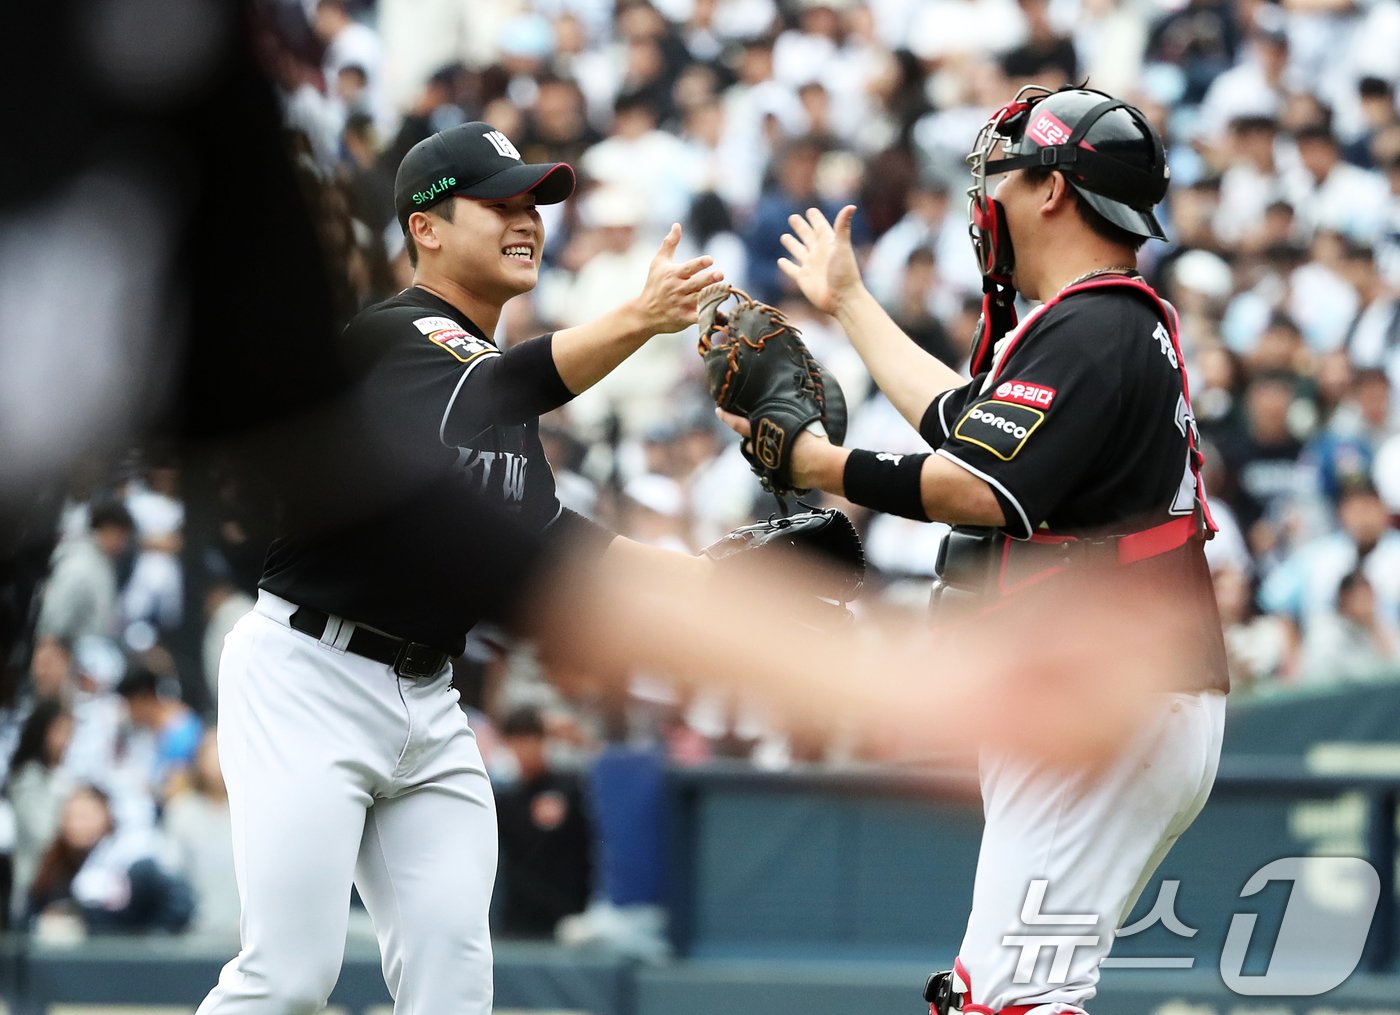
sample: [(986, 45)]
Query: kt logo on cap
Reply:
[(502, 144)]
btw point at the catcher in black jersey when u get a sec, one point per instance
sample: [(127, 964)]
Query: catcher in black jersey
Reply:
[(1071, 452)]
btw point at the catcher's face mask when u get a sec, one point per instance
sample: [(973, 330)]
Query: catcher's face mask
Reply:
[(991, 240)]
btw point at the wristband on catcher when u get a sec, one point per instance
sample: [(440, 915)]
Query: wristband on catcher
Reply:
[(888, 483)]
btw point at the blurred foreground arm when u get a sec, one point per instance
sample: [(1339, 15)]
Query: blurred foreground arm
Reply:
[(630, 608)]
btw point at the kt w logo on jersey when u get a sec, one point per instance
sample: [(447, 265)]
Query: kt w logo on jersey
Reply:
[(495, 473)]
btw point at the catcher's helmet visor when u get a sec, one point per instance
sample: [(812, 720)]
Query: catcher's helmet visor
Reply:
[(1139, 223)]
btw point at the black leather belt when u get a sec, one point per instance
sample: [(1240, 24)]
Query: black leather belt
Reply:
[(408, 658)]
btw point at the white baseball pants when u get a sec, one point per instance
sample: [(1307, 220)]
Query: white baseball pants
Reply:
[(1094, 837), (339, 770)]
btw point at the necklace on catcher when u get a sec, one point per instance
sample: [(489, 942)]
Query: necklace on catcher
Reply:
[(1121, 270)]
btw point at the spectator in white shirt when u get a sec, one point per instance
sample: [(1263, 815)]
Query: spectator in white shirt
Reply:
[(1328, 193), (1354, 643), (1388, 243), (80, 597), (1373, 336), (1304, 586), (929, 223), (1250, 183), (652, 164), (350, 43), (155, 590), (1320, 298), (1256, 85), (198, 831), (749, 105)]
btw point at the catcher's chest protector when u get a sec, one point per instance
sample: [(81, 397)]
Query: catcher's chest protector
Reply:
[(989, 564)]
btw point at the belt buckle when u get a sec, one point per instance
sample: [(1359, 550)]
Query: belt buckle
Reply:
[(417, 661), (1097, 550)]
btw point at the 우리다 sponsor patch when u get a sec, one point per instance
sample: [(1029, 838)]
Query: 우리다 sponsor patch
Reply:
[(1037, 396), (1047, 129), (1000, 427)]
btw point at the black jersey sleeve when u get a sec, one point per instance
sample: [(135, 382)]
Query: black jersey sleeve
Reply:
[(444, 380), (1035, 433), (511, 387), (938, 419)]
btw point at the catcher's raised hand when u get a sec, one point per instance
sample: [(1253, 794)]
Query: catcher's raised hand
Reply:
[(823, 262), (667, 301)]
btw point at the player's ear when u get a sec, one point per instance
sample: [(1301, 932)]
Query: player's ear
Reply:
[(1055, 193), (423, 230)]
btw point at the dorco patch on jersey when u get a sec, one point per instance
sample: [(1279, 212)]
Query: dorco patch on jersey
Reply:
[(1001, 427), (1037, 396), (466, 347)]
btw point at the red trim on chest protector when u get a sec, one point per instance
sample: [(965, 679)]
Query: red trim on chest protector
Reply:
[(1130, 549), (1136, 546), (1173, 323), (1114, 282)]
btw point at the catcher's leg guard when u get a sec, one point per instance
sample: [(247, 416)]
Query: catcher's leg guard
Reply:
[(938, 992), (951, 990)]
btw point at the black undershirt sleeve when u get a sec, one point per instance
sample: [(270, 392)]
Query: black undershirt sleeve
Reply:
[(585, 535), (514, 387), (524, 382)]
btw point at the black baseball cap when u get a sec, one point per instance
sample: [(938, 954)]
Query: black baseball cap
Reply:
[(473, 160)]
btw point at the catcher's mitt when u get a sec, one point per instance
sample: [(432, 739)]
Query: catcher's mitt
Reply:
[(757, 366), (822, 545)]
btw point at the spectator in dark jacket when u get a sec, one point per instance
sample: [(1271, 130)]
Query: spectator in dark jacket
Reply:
[(546, 835)]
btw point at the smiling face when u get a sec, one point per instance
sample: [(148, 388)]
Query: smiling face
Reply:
[(491, 247)]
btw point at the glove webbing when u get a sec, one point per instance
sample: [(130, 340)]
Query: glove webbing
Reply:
[(781, 324)]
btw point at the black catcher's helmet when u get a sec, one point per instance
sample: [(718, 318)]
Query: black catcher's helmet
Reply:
[(1106, 148)]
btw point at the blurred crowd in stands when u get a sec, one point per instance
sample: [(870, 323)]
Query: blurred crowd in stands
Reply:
[(1283, 131)]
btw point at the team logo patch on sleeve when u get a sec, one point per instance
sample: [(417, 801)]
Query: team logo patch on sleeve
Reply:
[(1000, 427), (449, 335), (1037, 396), (466, 347)]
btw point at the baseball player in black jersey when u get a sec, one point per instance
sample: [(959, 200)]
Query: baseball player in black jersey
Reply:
[(1072, 451), (346, 755)]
